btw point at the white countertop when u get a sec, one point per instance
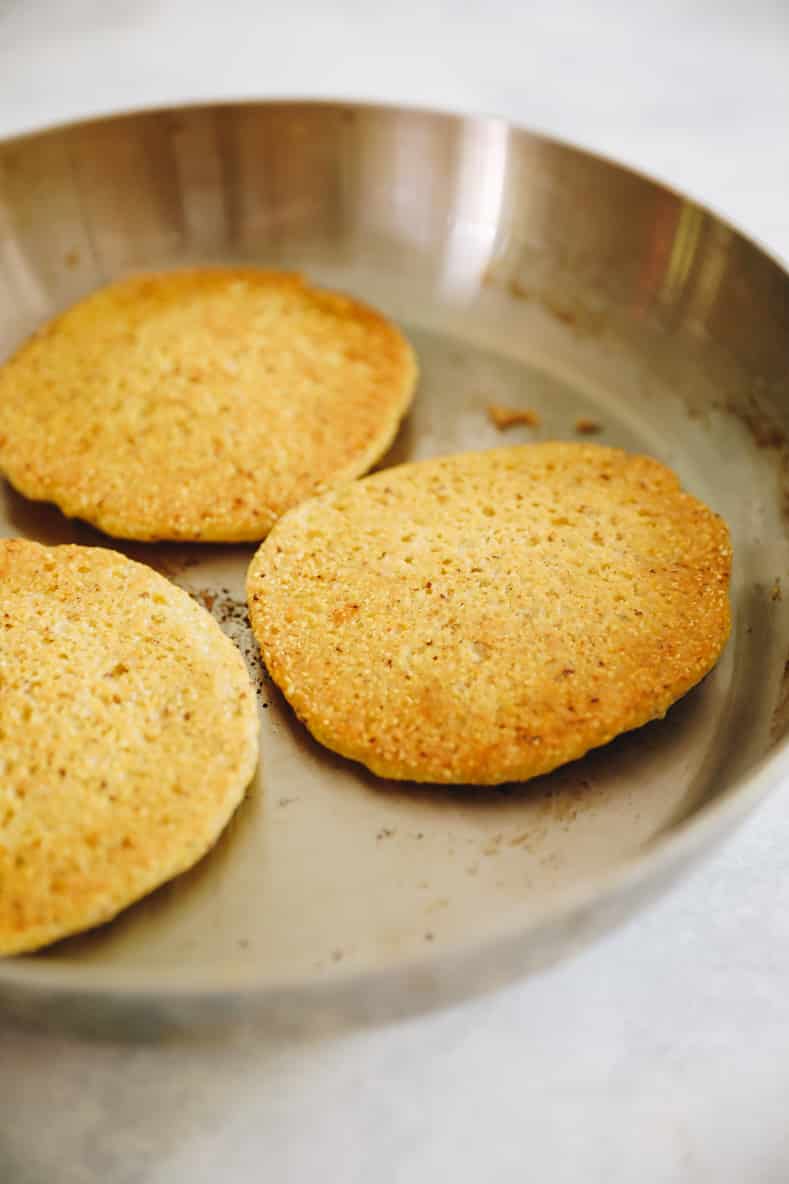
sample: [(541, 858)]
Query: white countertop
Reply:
[(662, 1054)]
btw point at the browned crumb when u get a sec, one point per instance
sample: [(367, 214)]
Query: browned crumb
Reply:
[(776, 593), (518, 291), (765, 432), (565, 315), (507, 417), (588, 427)]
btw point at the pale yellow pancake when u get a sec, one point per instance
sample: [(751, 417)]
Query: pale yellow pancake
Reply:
[(200, 405), (128, 729)]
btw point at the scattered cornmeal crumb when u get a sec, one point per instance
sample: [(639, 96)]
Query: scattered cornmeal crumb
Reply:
[(776, 593), (507, 417), (588, 427)]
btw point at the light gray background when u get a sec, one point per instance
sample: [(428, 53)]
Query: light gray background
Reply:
[(661, 1055)]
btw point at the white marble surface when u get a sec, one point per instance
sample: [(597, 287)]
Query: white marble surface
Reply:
[(661, 1055)]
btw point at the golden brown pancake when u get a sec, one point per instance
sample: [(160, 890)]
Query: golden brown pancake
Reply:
[(489, 616), (200, 405)]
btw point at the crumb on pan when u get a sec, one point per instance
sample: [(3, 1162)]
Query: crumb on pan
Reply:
[(588, 427), (507, 417)]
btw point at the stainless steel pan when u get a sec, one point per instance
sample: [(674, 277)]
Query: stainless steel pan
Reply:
[(527, 273)]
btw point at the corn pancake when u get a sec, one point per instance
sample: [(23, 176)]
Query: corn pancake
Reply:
[(489, 616), (129, 733), (200, 405)]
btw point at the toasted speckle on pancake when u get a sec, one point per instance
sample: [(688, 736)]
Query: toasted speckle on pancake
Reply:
[(129, 733), (489, 616), (200, 405)]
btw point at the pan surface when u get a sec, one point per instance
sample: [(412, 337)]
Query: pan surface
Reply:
[(526, 273)]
